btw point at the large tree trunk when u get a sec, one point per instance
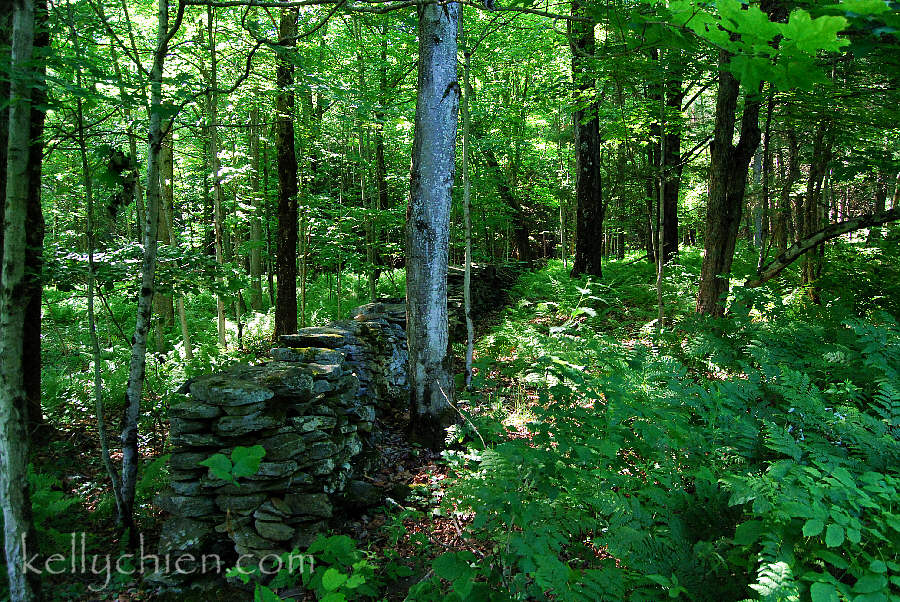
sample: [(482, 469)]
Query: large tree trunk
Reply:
[(467, 217), (15, 500), (34, 227), (588, 185), (428, 225), (286, 268), (784, 223), (728, 169)]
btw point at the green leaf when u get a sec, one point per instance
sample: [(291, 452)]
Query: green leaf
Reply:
[(246, 460), (813, 527), (811, 35), (823, 592), (868, 584), (219, 466), (834, 535), (862, 7), (748, 533), (450, 566), (333, 579), (264, 594), (878, 566)]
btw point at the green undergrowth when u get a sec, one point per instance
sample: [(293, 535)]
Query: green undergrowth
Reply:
[(752, 457)]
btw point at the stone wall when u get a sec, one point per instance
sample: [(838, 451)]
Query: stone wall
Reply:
[(313, 409)]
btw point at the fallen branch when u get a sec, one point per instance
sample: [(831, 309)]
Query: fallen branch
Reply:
[(799, 248)]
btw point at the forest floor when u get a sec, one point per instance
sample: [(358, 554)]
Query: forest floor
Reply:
[(598, 337)]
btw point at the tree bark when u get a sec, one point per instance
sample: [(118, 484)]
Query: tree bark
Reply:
[(765, 230), (137, 363), (671, 165), (162, 302), (256, 220), (876, 234), (218, 194), (286, 268), (785, 229), (728, 170), (821, 157), (15, 499), (588, 185), (467, 217), (38, 428), (428, 224)]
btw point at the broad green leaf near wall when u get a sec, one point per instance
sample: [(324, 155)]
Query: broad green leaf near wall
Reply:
[(244, 462)]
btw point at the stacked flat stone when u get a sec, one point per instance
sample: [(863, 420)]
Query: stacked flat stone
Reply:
[(303, 413), (488, 289), (312, 409)]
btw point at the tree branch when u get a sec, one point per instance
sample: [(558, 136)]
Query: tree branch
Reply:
[(799, 248)]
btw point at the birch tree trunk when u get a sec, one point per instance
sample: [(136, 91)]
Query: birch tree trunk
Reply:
[(218, 216), (15, 499), (428, 224), (87, 180), (137, 363)]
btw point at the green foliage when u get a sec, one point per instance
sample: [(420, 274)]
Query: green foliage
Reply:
[(244, 462), (748, 458), (335, 570), (47, 503)]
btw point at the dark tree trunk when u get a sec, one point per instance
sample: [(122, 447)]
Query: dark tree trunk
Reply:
[(785, 223), (671, 167), (5, 36), (729, 166), (588, 185), (428, 225), (34, 226), (286, 265), (812, 222), (34, 234)]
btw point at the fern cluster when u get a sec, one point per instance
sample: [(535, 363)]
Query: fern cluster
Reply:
[(749, 458)]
